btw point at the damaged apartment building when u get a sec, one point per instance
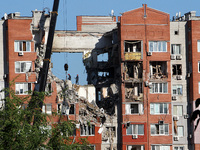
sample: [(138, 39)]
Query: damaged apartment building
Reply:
[(142, 74)]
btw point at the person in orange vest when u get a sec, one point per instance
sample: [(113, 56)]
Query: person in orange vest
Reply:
[(69, 77)]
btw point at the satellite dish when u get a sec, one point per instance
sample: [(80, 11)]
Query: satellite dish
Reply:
[(112, 12)]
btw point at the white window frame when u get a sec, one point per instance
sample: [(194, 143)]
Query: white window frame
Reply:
[(23, 69), (178, 111), (176, 87), (160, 147), (176, 49), (136, 127), (44, 109), (85, 130), (157, 46), (22, 86), (129, 147), (156, 88), (158, 107), (199, 86), (198, 66), (180, 129), (19, 46), (163, 129), (128, 108), (198, 46)]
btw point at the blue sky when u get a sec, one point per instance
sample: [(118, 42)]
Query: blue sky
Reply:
[(69, 9)]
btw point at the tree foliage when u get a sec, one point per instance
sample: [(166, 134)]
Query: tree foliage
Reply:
[(18, 130)]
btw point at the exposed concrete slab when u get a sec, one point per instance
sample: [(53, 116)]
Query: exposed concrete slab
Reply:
[(73, 41)]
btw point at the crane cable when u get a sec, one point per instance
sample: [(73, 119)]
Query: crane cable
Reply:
[(65, 26)]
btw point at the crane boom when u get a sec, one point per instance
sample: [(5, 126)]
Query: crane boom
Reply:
[(44, 71)]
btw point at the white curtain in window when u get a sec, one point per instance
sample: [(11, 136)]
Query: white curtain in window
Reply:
[(28, 66), (43, 108), (164, 45), (151, 46), (141, 108), (199, 87), (179, 110), (180, 131), (16, 46), (25, 88), (165, 148), (153, 129), (127, 109), (48, 111), (198, 45), (28, 46), (17, 67), (151, 108)]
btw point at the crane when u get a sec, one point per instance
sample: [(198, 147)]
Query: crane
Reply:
[(44, 70)]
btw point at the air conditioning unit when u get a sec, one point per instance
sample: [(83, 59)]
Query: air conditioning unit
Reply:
[(188, 75), (179, 77), (77, 126), (160, 122), (149, 53), (146, 83), (178, 57), (186, 116), (174, 98), (176, 138), (135, 136), (173, 57), (20, 53), (175, 118), (5, 76)]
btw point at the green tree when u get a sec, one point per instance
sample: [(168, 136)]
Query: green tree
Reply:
[(19, 131)]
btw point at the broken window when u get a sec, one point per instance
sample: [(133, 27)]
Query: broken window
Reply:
[(135, 147), (47, 108), (23, 88), (133, 70), (87, 130), (177, 69), (67, 110), (132, 46), (48, 88), (135, 129), (176, 32), (178, 110), (176, 49), (159, 88), (134, 108), (99, 95), (22, 46), (160, 147), (159, 108), (134, 91), (159, 129), (157, 46), (111, 131), (158, 69), (22, 66), (177, 89), (102, 57)]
